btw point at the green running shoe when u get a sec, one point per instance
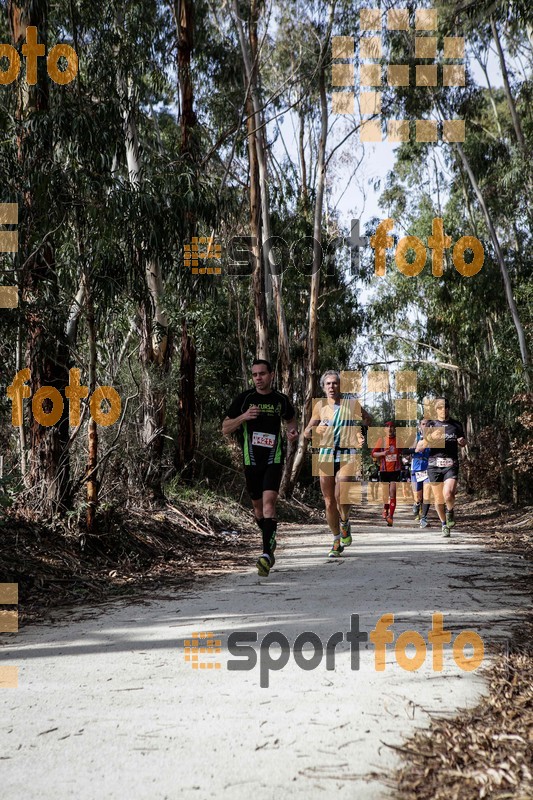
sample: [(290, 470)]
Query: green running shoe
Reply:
[(336, 549), (264, 565), (346, 532), (450, 519), (446, 531)]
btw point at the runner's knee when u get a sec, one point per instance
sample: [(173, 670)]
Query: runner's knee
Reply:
[(330, 501)]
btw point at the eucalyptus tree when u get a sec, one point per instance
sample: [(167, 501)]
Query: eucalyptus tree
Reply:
[(29, 141), (469, 159)]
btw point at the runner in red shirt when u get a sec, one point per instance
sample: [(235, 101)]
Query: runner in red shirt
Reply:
[(389, 470)]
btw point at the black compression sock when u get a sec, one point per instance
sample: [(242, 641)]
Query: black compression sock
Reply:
[(425, 509), (269, 534), (259, 522)]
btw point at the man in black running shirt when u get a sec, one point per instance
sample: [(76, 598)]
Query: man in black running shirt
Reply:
[(256, 414), (444, 436)]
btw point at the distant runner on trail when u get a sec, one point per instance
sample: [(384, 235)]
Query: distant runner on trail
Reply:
[(419, 476), (343, 417), (443, 461), (257, 415), (373, 478), (389, 470)]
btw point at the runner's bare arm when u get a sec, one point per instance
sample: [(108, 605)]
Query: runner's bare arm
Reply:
[(292, 429), (313, 422), (230, 425), (462, 441), (378, 450)]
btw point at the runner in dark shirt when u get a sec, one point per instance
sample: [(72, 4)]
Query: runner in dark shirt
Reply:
[(256, 414), (444, 436)]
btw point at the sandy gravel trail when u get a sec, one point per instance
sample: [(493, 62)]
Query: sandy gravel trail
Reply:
[(108, 707)]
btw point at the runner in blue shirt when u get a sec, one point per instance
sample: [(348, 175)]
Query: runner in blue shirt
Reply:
[(419, 476)]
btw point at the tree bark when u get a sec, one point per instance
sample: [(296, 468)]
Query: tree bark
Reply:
[(507, 89), (186, 445), (92, 433), (258, 274), (184, 20), (251, 69), (312, 337), (49, 473), (22, 429), (155, 332), (304, 193), (187, 404)]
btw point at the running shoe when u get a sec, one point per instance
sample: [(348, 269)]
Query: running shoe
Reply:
[(336, 549), (389, 521), (416, 510), (345, 532), (264, 565), (423, 522), (450, 519), (446, 530)]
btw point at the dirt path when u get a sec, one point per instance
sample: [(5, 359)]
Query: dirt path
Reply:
[(108, 707)]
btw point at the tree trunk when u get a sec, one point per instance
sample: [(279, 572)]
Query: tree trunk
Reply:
[(506, 474), (92, 458), (22, 428), (153, 401), (312, 337), (187, 404), (49, 473), (258, 275), (517, 125), (507, 89), (301, 149), (186, 445), (251, 70), (155, 333), (242, 339), (184, 20)]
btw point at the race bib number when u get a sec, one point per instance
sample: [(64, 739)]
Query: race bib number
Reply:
[(390, 459), (263, 439), (421, 476), (444, 462)]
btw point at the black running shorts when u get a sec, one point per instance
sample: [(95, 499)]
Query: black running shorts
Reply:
[(440, 474), (263, 479), (389, 477)]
